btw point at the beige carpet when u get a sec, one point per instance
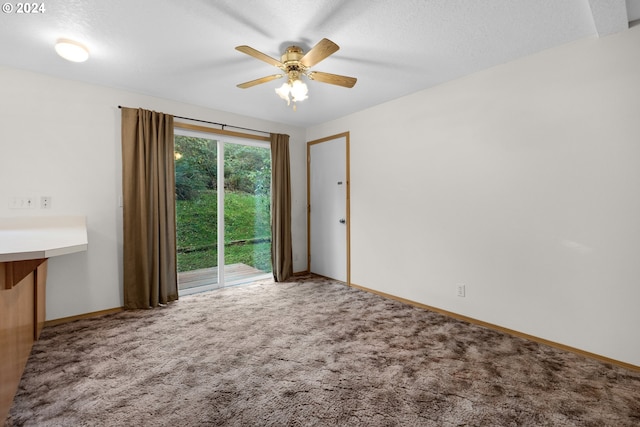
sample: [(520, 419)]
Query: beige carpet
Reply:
[(309, 353)]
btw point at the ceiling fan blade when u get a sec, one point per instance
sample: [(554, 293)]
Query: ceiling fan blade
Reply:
[(259, 55), (333, 79), (320, 51), (259, 81)]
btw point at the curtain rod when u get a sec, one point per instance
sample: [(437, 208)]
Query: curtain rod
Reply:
[(215, 123)]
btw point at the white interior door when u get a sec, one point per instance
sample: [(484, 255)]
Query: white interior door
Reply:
[(328, 208)]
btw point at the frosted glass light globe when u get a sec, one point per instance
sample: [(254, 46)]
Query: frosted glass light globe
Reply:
[(71, 50)]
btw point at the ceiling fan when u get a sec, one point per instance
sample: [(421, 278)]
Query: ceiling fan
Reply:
[(295, 63)]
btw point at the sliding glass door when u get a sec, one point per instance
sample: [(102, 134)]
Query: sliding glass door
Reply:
[(247, 211), (196, 211), (223, 211)]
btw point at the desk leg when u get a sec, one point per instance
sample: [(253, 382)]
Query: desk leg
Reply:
[(40, 298)]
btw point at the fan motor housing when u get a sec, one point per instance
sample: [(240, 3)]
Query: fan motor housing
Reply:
[(291, 58)]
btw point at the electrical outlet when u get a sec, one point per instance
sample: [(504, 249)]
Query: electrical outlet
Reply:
[(461, 291), (45, 202)]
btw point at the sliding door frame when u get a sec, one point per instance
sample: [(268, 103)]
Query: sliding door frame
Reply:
[(206, 129), (220, 142)]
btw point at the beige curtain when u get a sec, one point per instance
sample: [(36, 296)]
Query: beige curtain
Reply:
[(148, 184), (281, 254)]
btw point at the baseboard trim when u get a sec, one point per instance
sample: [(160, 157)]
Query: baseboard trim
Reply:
[(301, 273), (63, 320), (503, 329)]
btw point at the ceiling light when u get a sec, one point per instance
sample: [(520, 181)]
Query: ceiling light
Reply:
[(299, 91), (283, 92), (71, 50), (294, 90)]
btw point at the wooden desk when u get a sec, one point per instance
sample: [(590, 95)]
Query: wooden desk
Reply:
[(25, 245)]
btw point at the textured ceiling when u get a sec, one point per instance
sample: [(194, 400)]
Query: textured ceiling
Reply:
[(184, 50)]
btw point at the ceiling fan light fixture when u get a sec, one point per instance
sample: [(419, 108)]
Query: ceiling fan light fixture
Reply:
[(72, 50), (296, 63), (293, 90)]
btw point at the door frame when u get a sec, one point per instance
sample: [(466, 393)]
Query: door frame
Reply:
[(221, 137), (344, 135)]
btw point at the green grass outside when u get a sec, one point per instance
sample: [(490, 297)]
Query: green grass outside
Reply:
[(247, 218)]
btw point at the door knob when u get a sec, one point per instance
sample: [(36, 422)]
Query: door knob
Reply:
[(343, 221)]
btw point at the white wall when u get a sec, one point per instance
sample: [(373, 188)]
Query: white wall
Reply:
[(61, 138), (520, 181), (523, 183)]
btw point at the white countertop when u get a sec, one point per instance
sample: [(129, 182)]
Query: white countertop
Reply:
[(23, 238)]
